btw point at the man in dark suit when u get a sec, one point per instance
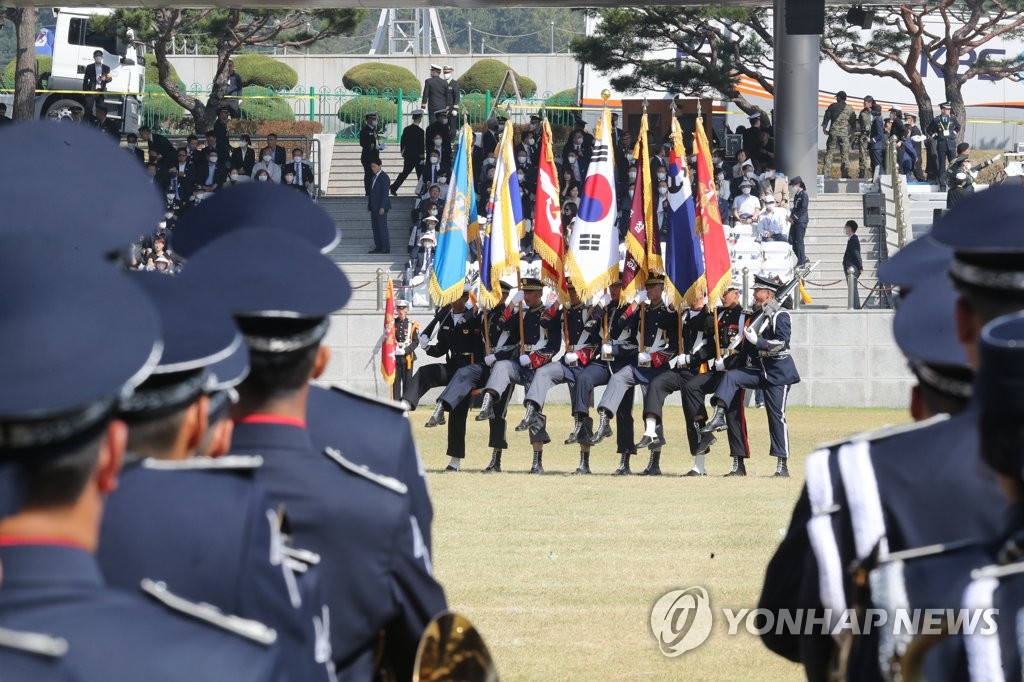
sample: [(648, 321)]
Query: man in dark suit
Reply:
[(243, 157), (413, 146), (435, 92), (302, 171), (104, 124), (220, 132), (209, 175), (452, 94), (131, 141), (96, 77), (851, 259), (370, 146), (276, 151), (161, 144), (379, 204)]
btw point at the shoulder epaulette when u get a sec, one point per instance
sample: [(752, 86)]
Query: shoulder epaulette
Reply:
[(396, 405), (226, 463), (33, 643), (250, 629), (304, 555), (884, 432), (392, 484)]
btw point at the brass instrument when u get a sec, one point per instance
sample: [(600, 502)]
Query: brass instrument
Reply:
[(451, 649)]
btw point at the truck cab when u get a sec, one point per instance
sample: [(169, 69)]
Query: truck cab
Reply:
[(76, 37)]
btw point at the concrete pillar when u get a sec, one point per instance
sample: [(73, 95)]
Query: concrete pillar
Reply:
[(796, 101)]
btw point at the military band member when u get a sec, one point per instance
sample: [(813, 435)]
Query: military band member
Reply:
[(583, 341), (407, 339), (956, 499), (540, 341), (659, 340), (732, 320), (456, 397), (156, 525), (355, 518), (766, 365)]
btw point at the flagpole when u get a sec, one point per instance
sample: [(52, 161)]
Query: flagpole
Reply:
[(522, 304), (643, 314), (712, 305)]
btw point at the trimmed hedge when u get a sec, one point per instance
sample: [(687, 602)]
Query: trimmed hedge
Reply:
[(43, 67), (281, 128), (353, 111), (374, 78), (563, 117), (261, 70), (487, 74), (269, 108)]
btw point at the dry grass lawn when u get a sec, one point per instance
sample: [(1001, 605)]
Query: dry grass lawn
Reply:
[(560, 572)]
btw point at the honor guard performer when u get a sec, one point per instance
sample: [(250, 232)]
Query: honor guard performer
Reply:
[(407, 339), (582, 342), (618, 350), (540, 341), (61, 450), (156, 525), (956, 499), (657, 344), (766, 365)]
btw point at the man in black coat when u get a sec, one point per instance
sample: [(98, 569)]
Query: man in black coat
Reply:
[(106, 125), (371, 148), (413, 147), (379, 204), (851, 259), (96, 77), (944, 130), (435, 92), (452, 95), (161, 144)]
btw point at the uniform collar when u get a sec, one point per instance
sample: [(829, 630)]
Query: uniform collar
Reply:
[(259, 437), (46, 562)]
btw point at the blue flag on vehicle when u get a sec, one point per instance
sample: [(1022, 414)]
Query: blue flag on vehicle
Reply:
[(448, 277)]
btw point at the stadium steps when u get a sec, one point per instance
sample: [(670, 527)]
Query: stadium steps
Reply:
[(352, 218), (346, 174), (825, 241)]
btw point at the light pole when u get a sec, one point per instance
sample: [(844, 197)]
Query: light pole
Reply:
[(552, 37), (469, 26)]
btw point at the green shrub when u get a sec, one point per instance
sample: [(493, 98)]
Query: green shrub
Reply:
[(159, 111), (153, 75), (474, 104), (269, 106), (43, 67), (380, 79), (261, 70), (562, 117), (487, 74), (355, 109)]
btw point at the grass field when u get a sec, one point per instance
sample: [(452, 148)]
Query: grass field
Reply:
[(560, 572)]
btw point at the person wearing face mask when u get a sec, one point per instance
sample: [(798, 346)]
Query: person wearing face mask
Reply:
[(746, 204), (236, 176), (663, 210), (413, 147), (775, 186), (659, 162), (452, 99), (243, 156), (574, 166), (772, 224), (208, 177), (96, 77), (104, 124), (179, 183), (436, 171), (798, 218), (262, 176), (746, 175), (438, 137), (302, 172), (266, 164), (131, 142)]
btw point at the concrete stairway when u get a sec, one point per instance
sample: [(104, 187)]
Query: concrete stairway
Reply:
[(825, 241), (351, 255), (347, 171)]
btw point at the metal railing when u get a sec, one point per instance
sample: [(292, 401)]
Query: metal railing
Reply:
[(899, 194)]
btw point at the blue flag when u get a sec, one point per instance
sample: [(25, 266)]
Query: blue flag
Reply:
[(505, 228), (448, 277), (684, 259)]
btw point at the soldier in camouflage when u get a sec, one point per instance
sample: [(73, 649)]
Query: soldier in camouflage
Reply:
[(837, 123), (863, 136)]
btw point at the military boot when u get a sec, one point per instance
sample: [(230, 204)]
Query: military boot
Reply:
[(623, 469), (437, 418), (781, 469), (653, 464), (495, 465), (604, 428), (528, 417), (486, 407), (538, 466), (584, 467), (738, 467)]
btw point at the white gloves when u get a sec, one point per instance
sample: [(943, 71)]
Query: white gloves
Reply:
[(720, 365), (682, 360), (490, 360), (996, 158), (514, 296), (606, 349), (750, 335), (643, 359), (571, 359), (399, 351), (424, 340), (524, 360), (641, 297)]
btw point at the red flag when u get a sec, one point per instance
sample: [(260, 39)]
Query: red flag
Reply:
[(717, 265), (388, 345), (548, 240), (641, 240)]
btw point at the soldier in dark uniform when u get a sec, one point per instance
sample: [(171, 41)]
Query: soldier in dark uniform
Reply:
[(413, 147), (837, 124), (766, 365), (798, 218), (944, 130), (61, 451), (238, 564), (660, 344), (540, 341), (956, 499), (407, 339), (618, 350), (370, 145), (452, 95), (456, 397), (435, 93), (582, 342)]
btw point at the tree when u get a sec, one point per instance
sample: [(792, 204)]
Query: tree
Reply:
[(944, 35), (24, 20), (693, 51), (227, 31)]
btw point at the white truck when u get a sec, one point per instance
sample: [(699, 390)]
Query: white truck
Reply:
[(74, 41)]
